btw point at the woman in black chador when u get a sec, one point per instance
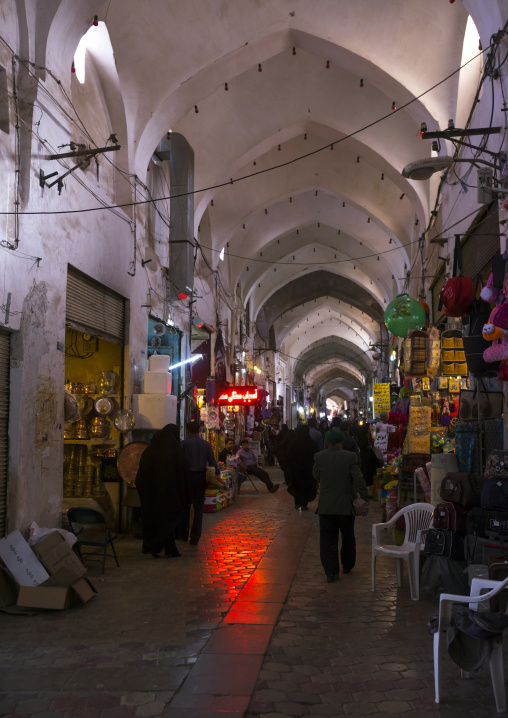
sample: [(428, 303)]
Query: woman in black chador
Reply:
[(162, 482), (300, 460)]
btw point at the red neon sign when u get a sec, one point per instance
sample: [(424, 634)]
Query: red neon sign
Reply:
[(235, 395)]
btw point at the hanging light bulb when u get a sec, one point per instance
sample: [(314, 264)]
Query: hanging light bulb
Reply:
[(382, 175), (417, 222), (73, 68), (266, 211), (227, 245), (319, 224), (343, 204), (196, 109), (315, 194), (305, 136), (244, 226), (368, 220), (275, 269), (278, 148), (402, 196), (254, 163), (95, 20), (260, 69), (226, 86), (211, 203), (298, 231), (361, 82), (199, 228), (358, 159), (290, 200), (328, 64), (331, 147), (338, 231), (168, 135), (391, 240), (294, 51), (394, 106)]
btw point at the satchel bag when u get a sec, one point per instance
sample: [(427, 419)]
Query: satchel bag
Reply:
[(462, 488), (360, 507), (444, 543), (448, 516), (490, 404), (482, 522), (495, 495), (497, 465)]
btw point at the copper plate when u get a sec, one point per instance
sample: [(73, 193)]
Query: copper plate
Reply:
[(127, 462)]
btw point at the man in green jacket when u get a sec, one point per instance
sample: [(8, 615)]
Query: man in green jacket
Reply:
[(340, 479)]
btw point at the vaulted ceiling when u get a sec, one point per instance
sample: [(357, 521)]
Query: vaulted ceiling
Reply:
[(301, 116)]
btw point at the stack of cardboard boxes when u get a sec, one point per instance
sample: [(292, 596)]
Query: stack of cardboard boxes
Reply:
[(47, 576)]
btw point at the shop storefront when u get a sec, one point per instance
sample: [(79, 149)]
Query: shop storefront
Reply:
[(95, 419)]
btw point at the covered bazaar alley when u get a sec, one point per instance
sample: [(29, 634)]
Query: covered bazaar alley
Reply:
[(242, 625)]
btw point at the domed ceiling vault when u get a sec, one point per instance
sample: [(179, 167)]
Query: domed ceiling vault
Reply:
[(299, 120)]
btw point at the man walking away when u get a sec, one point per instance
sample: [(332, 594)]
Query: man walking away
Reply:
[(350, 442), (315, 434), (199, 455), (340, 479), (249, 465)]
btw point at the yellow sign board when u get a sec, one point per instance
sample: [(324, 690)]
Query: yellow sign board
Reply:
[(381, 394)]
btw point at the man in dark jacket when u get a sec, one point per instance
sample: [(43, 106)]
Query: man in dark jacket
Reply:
[(340, 479), (199, 455), (315, 435)]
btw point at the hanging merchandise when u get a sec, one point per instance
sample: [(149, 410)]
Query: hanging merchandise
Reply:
[(403, 315), (415, 354), (496, 331), (433, 352), (458, 293), (475, 344)]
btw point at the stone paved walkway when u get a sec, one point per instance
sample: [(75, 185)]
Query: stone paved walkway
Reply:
[(244, 625)]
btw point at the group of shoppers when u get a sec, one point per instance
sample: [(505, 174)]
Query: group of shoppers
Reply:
[(172, 478)]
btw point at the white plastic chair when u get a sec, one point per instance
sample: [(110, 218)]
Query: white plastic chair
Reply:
[(446, 602), (418, 518)]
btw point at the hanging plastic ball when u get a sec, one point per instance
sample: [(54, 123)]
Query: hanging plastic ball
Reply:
[(404, 314)]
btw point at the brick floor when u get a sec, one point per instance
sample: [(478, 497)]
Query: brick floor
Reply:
[(244, 625)]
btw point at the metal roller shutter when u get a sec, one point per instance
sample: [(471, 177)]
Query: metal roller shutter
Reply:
[(4, 424), (482, 243), (93, 308)]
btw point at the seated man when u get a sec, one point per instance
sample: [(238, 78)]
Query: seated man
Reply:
[(227, 452), (249, 465)]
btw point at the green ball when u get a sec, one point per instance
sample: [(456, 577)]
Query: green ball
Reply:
[(404, 314)]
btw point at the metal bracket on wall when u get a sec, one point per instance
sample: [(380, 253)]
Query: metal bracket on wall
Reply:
[(85, 153)]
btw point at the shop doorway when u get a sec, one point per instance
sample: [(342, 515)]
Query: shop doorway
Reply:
[(94, 353)]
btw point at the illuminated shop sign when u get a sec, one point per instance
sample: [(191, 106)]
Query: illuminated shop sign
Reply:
[(238, 395)]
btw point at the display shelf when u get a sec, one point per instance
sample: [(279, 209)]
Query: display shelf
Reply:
[(91, 442)]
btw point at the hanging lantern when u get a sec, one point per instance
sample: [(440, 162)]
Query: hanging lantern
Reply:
[(404, 314)]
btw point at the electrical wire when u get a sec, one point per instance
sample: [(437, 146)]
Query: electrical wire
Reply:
[(252, 174)]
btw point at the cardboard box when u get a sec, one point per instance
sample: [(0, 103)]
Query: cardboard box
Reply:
[(55, 597), (64, 585), (157, 382), (59, 559), (154, 411), (21, 561)]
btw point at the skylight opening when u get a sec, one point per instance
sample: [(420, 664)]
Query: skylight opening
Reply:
[(96, 39)]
